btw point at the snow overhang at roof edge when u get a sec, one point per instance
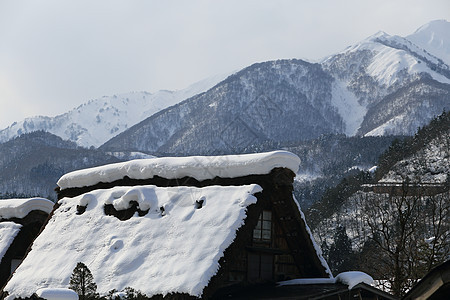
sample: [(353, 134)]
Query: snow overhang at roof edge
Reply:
[(198, 167), (19, 208)]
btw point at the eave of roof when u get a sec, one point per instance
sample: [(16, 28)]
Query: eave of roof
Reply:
[(19, 208), (431, 282)]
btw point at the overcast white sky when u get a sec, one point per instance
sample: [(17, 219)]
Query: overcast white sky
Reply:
[(57, 54)]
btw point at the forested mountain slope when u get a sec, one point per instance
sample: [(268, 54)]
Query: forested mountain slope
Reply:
[(30, 165), (286, 100), (384, 85), (381, 86), (398, 217)]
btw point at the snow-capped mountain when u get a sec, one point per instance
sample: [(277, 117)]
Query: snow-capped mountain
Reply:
[(381, 64), (95, 122), (434, 38), (384, 85), (382, 68), (265, 101)]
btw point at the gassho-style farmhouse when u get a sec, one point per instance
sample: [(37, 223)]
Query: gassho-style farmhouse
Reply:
[(175, 228)]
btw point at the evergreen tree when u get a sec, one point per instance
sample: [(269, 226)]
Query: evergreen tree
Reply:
[(82, 282), (341, 254)]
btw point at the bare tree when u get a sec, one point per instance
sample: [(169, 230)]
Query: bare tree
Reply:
[(410, 231)]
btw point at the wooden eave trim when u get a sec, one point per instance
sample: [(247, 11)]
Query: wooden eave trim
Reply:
[(266, 250), (365, 286)]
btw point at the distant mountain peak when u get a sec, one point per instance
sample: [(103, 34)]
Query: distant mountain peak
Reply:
[(98, 120), (357, 87), (434, 37), (379, 34), (441, 26)]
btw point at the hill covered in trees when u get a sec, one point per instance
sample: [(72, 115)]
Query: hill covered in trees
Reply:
[(31, 164), (392, 224)]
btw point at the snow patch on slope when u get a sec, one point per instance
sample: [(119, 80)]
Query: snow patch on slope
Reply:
[(351, 111), (97, 121), (306, 176), (177, 251), (389, 62), (389, 127), (130, 155), (434, 37)]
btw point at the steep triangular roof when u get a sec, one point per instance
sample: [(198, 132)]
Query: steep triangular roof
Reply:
[(11, 213), (165, 225), (174, 248)]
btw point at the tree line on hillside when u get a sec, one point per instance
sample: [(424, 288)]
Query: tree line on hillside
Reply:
[(31, 164), (404, 236), (405, 232), (407, 146)]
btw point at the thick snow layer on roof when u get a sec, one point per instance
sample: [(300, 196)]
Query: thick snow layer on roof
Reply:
[(57, 294), (19, 208), (351, 279), (198, 167), (175, 247), (8, 231)]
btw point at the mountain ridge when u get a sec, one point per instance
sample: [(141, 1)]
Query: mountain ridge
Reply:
[(364, 74), (244, 108), (96, 121), (431, 37), (32, 163), (359, 89)]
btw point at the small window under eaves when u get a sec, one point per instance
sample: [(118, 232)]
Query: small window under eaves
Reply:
[(263, 230)]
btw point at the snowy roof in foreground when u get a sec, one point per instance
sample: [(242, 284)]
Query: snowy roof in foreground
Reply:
[(350, 278), (19, 208), (8, 231), (57, 294), (176, 249), (198, 167)]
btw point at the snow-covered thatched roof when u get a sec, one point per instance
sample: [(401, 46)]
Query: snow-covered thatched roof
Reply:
[(19, 208), (8, 231), (175, 247), (163, 236)]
